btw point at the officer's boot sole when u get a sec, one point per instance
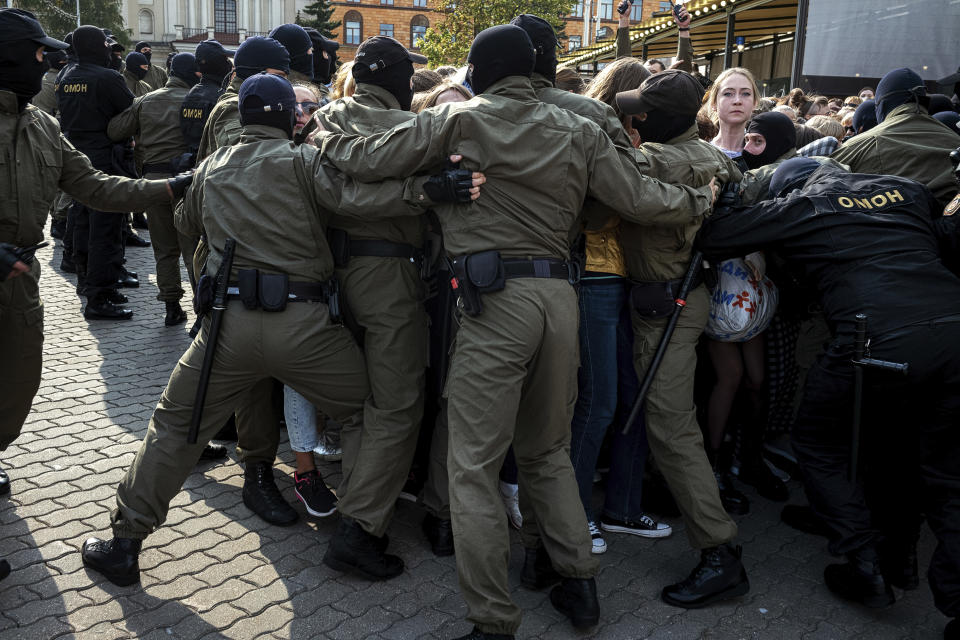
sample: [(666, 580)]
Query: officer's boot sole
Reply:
[(733, 591)]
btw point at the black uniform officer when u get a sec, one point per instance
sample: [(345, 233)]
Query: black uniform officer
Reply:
[(89, 94), (213, 61), (871, 244)]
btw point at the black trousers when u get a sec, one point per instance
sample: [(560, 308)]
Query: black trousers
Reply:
[(97, 250), (910, 451)]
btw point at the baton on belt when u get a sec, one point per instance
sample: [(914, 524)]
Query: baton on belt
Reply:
[(216, 319), (860, 351), (681, 301)]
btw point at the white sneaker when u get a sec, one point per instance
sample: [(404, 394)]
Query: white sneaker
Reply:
[(599, 544), (510, 494)]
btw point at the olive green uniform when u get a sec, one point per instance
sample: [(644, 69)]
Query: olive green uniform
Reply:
[(156, 77), (385, 297), (35, 161), (282, 231), (154, 119), (661, 254), (256, 408), (46, 100), (908, 143), (136, 86), (513, 373)]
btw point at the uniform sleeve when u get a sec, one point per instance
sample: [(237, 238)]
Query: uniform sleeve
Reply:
[(735, 232), (685, 53), (862, 156), (115, 93), (339, 193), (104, 192), (126, 124), (616, 182), (188, 218), (624, 48)]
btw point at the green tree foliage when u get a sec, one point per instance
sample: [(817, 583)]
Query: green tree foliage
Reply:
[(59, 17), (317, 15), (455, 24)]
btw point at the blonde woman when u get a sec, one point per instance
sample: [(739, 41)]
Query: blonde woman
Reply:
[(343, 83), (731, 101)]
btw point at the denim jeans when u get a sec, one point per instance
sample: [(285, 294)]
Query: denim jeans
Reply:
[(301, 418), (607, 382)]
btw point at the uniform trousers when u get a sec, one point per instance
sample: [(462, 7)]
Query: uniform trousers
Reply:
[(168, 246), (298, 346), (21, 343), (385, 297), (672, 429), (909, 451), (513, 380), (97, 250)]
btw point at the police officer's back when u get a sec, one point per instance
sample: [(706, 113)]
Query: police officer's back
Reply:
[(134, 72), (214, 65), (47, 98)]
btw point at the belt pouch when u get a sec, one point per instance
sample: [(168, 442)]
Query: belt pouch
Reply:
[(333, 301), (273, 291), (247, 287), (339, 241), (467, 292), (652, 299), (485, 271), (203, 299)]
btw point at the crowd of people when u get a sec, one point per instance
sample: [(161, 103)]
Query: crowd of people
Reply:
[(461, 283)]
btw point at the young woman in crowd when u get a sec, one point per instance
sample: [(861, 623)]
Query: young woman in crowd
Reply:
[(730, 103)]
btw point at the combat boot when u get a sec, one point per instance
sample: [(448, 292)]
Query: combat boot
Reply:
[(576, 598), (860, 579), (139, 221), (4, 482), (175, 314), (117, 559), (353, 549), (439, 533), (131, 239), (101, 308), (538, 571), (898, 563), (476, 634), (719, 576), (58, 228), (261, 495)]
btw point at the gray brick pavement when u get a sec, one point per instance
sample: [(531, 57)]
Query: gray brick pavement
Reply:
[(216, 571)]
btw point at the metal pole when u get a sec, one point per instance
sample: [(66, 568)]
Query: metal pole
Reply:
[(78, 13), (644, 49), (728, 45), (799, 41), (587, 6), (773, 55)]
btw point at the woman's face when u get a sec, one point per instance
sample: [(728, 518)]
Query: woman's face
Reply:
[(450, 95), (306, 107), (866, 94), (754, 143), (735, 100)]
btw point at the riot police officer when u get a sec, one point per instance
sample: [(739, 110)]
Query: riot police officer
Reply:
[(213, 62)]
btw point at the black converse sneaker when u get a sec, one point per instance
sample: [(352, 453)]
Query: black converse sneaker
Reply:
[(314, 494), (645, 527)]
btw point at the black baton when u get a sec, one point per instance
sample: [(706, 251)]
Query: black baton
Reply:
[(216, 318), (681, 301)]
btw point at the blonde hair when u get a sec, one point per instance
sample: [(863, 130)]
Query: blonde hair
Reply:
[(710, 100), (569, 80), (429, 98), (621, 75), (343, 82), (827, 125)]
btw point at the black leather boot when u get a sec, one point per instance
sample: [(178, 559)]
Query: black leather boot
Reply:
[(213, 452), (4, 482), (576, 598), (802, 518), (131, 239), (175, 314), (102, 309), (261, 495), (719, 576), (538, 571), (128, 280), (117, 559), (439, 533), (734, 502), (139, 221), (860, 579), (58, 229), (898, 563), (476, 634), (353, 549)]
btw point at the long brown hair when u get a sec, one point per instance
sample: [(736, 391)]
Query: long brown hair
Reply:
[(621, 75)]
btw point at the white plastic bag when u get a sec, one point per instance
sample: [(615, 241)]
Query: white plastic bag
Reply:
[(741, 306)]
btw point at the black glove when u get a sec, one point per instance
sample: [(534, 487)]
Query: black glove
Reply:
[(450, 185), (728, 197), (7, 258), (179, 183)]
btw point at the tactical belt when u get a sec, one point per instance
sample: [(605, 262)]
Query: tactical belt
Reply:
[(673, 286), (296, 291), (541, 268), (384, 249), (158, 167)]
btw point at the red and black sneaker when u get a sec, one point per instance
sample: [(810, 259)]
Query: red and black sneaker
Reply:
[(314, 494)]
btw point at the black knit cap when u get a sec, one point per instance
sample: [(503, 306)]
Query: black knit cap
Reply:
[(378, 53), (545, 43), (498, 52), (673, 91)]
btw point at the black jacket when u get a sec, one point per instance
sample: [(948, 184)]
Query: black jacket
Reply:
[(88, 96), (196, 108), (869, 244)]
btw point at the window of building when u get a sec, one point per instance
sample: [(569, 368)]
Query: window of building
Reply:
[(604, 32), (386, 30), (573, 43), (636, 11), (225, 16), (146, 21), (577, 10), (353, 25), (665, 5), (418, 28), (420, 3), (386, 1), (606, 9)]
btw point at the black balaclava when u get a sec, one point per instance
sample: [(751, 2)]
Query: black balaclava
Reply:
[(257, 54), (779, 132), (939, 102), (498, 52), (56, 59), (268, 100), (544, 40), (949, 118), (134, 60), (20, 72), (184, 66), (790, 175), (298, 43), (68, 38), (395, 79), (217, 66), (897, 88), (323, 68), (865, 117), (140, 46), (661, 125), (169, 60), (91, 46)]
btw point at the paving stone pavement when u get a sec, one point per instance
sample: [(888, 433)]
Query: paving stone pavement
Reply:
[(214, 570)]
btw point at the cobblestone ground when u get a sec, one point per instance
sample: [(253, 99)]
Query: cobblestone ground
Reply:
[(216, 570)]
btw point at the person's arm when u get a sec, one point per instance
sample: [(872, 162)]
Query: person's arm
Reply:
[(188, 219), (103, 192), (738, 231), (624, 48), (125, 124), (114, 91), (684, 43)]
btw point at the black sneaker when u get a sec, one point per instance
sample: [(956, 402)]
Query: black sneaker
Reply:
[(261, 495), (318, 500), (645, 527)]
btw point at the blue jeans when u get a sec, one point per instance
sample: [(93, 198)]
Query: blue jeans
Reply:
[(607, 381), (301, 419)]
